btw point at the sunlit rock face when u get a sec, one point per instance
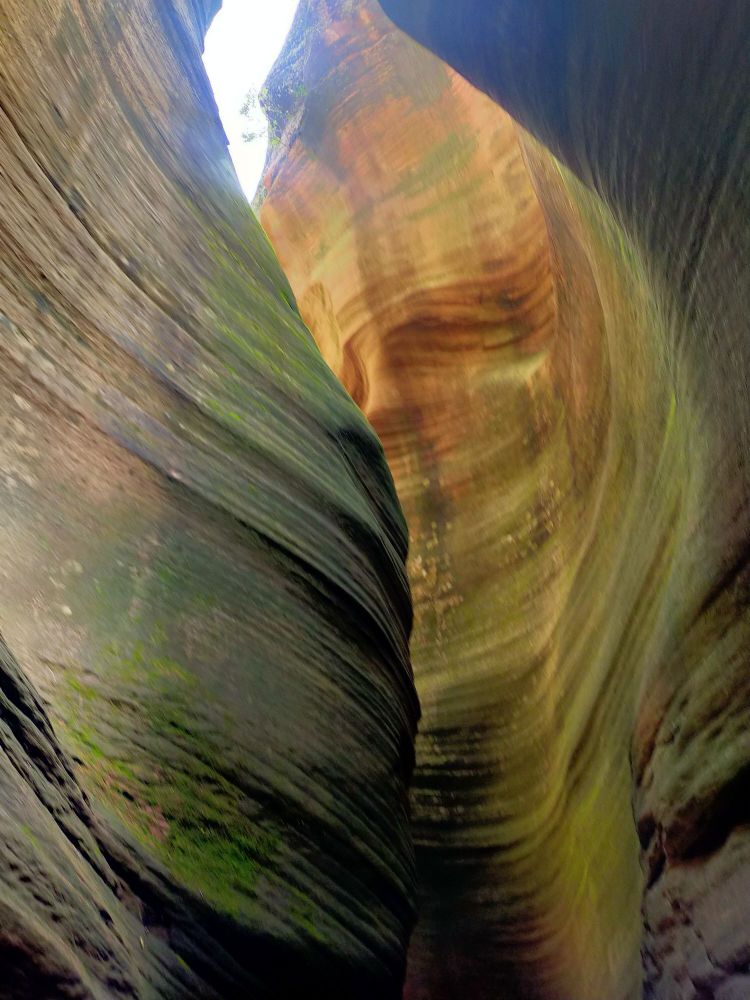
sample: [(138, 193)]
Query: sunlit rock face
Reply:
[(553, 352), (202, 558)]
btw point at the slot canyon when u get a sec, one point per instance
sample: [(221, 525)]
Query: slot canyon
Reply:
[(374, 584)]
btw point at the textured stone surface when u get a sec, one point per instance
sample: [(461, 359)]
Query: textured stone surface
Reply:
[(202, 558), (554, 353)]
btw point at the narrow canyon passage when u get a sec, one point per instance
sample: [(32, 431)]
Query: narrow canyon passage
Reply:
[(228, 587)]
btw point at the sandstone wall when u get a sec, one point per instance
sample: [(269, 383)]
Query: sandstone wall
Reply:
[(201, 565), (553, 352)]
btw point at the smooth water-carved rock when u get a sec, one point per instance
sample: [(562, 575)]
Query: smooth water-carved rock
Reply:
[(554, 354), (202, 558)]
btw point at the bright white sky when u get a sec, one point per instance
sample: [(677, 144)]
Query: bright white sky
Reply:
[(241, 47)]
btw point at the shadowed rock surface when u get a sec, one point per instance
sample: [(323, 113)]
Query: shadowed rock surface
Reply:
[(202, 558), (555, 355)]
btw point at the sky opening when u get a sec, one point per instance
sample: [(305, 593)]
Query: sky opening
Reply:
[(241, 47)]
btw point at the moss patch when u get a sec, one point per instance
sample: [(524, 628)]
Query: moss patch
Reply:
[(151, 759)]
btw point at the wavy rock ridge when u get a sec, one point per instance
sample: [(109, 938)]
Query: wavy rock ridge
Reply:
[(202, 558), (553, 350)]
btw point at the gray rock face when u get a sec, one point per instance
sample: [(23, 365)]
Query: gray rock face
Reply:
[(202, 558)]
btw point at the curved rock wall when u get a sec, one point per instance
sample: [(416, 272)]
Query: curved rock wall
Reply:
[(553, 353), (202, 558)]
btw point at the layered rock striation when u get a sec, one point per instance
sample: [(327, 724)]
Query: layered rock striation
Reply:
[(205, 753), (553, 349)]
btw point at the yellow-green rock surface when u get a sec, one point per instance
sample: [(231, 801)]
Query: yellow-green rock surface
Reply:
[(554, 352)]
